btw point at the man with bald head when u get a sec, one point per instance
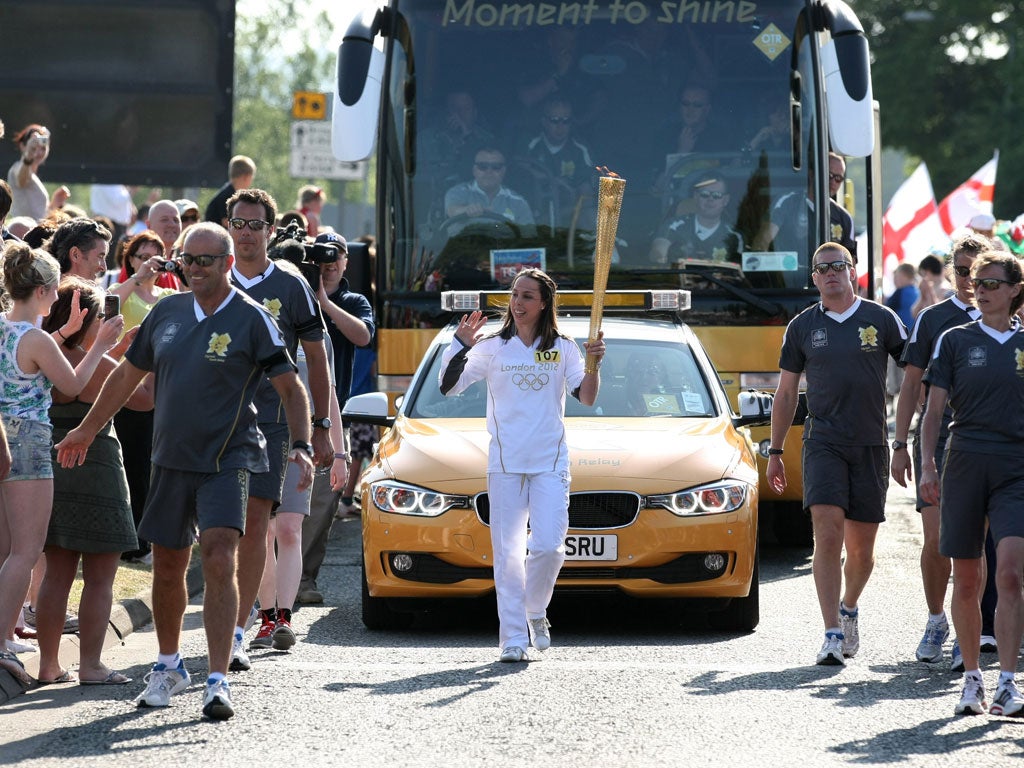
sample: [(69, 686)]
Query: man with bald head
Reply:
[(210, 348), (165, 220)]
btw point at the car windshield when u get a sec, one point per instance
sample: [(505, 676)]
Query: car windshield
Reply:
[(640, 379)]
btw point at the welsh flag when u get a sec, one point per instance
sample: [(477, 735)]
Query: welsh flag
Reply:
[(972, 197)]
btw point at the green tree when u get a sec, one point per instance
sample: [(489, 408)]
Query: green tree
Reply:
[(945, 73)]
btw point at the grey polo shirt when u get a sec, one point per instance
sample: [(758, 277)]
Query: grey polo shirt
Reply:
[(845, 358), (983, 371), (290, 300), (207, 372)]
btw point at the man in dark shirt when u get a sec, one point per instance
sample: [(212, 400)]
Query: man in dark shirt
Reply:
[(842, 344), (241, 173), (210, 349)]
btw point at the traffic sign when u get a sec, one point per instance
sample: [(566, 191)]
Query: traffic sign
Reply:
[(311, 155), (309, 105)]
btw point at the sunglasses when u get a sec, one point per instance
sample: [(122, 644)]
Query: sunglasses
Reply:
[(558, 120), (990, 283), (256, 225), (489, 166), (202, 259), (835, 266), (962, 271), (837, 177), (706, 195)]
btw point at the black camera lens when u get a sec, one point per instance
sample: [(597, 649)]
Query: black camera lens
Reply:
[(166, 266)]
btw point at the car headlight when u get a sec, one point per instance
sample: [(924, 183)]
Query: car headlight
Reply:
[(405, 499), (724, 496)]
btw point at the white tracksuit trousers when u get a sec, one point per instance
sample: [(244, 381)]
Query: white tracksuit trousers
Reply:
[(525, 582)]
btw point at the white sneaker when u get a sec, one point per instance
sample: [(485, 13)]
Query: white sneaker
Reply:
[(239, 658), (1008, 701), (988, 644), (161, 684), (936, 631), (512, 654), (972, 699), (956, 659), (831, 653), (540, 633), (16, 646), (851, 633), (254, 612), (217, 702)]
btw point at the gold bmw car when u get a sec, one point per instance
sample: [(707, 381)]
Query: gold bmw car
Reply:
[(663, 500)]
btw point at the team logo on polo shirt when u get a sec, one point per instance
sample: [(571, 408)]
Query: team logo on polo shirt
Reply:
[(868, 337), (978, 356), (273, 306), (218, 345), (1019, 355), (819, 337)]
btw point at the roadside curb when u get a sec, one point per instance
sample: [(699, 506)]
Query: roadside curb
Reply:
[(126, 616)]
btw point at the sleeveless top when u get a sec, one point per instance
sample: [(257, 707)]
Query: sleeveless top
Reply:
[(22, 395)]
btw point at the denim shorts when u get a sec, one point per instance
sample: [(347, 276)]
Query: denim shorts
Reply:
[(29, 443)]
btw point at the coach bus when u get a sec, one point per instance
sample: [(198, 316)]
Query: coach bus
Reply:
[(724, 108)]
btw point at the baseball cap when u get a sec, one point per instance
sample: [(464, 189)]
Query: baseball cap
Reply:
[(185, 205), (982, 221), (333, 238)]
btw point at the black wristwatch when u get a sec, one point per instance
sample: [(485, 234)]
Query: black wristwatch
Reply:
[(322, 423), (775, 451), (302, 445), (898, 444)]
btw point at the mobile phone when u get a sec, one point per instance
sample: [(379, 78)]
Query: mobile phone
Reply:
[(111, 305)]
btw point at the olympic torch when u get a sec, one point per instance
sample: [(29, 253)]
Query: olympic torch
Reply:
[(609, 204)]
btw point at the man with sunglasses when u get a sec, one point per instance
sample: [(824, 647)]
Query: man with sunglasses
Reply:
[(956, 310), (842, 345), (486, 193), (701, 235), (211, 349), (560, 165), (289, 298)]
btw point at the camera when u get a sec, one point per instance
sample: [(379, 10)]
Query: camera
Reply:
[(288, 243), (168, 266)]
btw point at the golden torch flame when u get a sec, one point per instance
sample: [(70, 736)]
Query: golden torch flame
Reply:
[(609, 204)]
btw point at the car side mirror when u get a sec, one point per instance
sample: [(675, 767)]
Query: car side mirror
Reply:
[(370, 408), (756, 409)]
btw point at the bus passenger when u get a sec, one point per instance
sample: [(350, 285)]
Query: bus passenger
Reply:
[(976, 368), (486, 193), (700, 235)]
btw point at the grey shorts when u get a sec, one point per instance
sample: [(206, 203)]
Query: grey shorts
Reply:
[(179, 502), (29, 443), (852, 477), (976, 486), (293, 500), (269, 484), (940, 457)]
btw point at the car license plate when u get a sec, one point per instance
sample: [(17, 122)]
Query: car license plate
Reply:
[(591, 547)]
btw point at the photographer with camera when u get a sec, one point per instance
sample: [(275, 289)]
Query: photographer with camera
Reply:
[(143, 260), (30, 198)]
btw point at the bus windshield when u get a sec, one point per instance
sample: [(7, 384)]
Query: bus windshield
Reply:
[(498, 115)]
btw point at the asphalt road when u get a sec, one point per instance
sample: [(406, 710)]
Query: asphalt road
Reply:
[(636, 684)]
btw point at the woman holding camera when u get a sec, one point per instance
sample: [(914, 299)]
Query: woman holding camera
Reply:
[(28, 193)]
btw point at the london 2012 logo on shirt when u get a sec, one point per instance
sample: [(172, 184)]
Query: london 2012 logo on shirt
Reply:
[(273, 306), (218, 348), (1018, 354), (868, 337)]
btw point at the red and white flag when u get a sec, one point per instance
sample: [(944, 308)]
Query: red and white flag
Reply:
[(972, 197), (911, 226)]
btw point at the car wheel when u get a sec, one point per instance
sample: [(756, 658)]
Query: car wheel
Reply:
[(377, 613), (743, 613), (791, 524)]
